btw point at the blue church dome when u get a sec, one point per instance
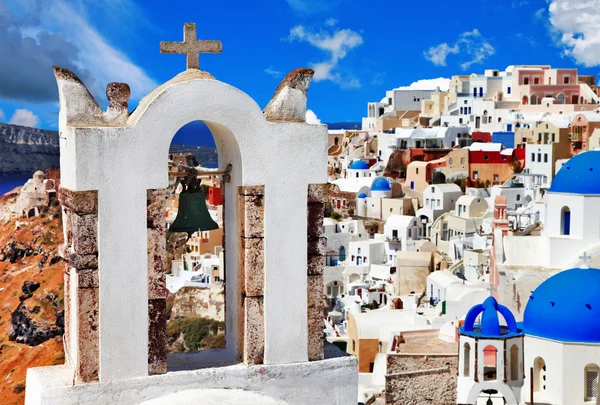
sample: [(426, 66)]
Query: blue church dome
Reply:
[(359, 165), (580, 175), (362, 195), (490, 321), (381, 184), (566, 307)]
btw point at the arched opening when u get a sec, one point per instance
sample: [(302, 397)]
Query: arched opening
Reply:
[(466, 359), (334, 289), (539, 375), (565, 221), (514, 362), (342, 254), (196, 265), (592, 373), (534, 99), (354, 278), (525, 100), (490, 361), (560, 98)]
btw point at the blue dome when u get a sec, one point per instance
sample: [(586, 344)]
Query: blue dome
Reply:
[(362, 195), (566, 307), (490, 321), (381, 184), (359, 165), (580, 175)]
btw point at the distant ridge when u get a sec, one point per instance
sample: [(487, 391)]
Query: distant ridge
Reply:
[(344, 125), (24, 150)]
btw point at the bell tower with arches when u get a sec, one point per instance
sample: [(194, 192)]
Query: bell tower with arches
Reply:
[(113, 173), (490, 354)]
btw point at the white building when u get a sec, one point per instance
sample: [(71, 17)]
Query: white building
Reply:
[(437, 199), (401, 232)]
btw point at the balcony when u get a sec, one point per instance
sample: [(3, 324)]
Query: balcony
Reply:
[(393, 239)]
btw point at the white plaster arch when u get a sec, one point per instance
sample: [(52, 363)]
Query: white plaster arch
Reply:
[(122, 162), (503, 389)]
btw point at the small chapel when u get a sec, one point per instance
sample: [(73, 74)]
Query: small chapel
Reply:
[(551, 358), (114, 170)]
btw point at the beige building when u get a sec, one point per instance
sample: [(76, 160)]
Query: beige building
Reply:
[(412, 269), (396, 206), (468, 216), (457, 164)]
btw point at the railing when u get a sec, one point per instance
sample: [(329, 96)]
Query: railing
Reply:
[(393, 239)]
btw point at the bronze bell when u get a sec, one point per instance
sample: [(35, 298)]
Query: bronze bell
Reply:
[(192, 215)]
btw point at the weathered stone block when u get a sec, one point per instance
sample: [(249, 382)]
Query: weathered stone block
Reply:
[(80, 202), (157, 209), (316, 265), (68, 313), (251, 190), (254, 266), (317, 193), (157, 336), (252, 216), (315, 217), (85, 234), (88, 278), (86, 369), (157, 258), (83, 261), (254, 336), (317, 246), (315, 317)]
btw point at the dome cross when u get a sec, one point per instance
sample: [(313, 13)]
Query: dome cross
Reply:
[(585, 259)]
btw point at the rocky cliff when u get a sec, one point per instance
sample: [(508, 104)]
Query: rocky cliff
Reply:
[(24, 150), (31, 298)]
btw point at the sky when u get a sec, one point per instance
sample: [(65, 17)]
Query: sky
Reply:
[(357, 48)]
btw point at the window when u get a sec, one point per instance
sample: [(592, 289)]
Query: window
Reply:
[(539, 375), (540, 137), (545, 158), (460, 120), (526, 80), (499, 119), (496, 177), (566, 79), (514, 363), (536, 80), (591, 382), (461, 110), (553, 137), (358, 250), (508, 90), (450, 161), (417, 170), (439, 203), (462, 161), (481, 92), (565, 221), (353, 345), (466, 360), (539, 157), (469, 110), (533, 157), (490, 359), (475, 174), (518, 197), (485, 157)]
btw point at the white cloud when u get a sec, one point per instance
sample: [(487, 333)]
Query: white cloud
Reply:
[(2, 116), (91, 54), (469, 43), (428, 84), (330, 22), (273, 72), (311, 117), (576, 24), (336, 44), (24, 118)]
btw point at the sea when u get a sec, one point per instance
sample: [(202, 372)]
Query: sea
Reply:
[(9, 183)]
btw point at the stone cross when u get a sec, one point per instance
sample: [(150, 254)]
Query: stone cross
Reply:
[(585, 259), (191, 46)]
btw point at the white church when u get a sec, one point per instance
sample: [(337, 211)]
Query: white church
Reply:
[(551, 358)]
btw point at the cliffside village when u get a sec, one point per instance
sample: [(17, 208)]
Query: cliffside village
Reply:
[(438, 248)]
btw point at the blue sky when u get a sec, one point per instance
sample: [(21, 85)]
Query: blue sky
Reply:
[(358, 48)]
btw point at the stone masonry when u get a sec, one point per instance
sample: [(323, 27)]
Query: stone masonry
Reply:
[(419, 379), (80, 251), (252, 273), (157, 284), (317, 197)]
